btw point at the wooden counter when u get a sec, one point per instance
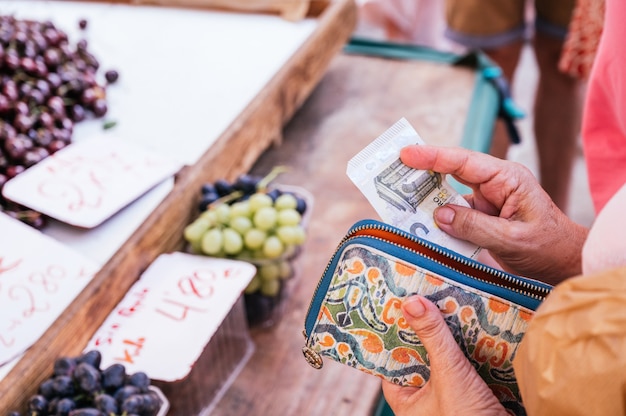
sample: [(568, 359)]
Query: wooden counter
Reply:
[(235, 151), (356, 101)]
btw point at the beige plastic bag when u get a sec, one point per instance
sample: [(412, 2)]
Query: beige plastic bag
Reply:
[(292, 10), (572, 360)]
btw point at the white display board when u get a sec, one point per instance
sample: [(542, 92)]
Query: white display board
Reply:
[(185, 76)]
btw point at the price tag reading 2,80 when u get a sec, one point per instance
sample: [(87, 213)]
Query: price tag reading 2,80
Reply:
[(39, 278)]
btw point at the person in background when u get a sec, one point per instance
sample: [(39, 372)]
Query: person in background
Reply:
[(499, 28), (572, 359), (419, 22), (604, 126)]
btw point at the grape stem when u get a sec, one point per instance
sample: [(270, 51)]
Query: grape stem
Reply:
[(227, 198), (261, 186), (109, 124), (276, 170)]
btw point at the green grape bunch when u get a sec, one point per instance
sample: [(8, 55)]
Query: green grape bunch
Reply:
[(255, 229), (246, 220)]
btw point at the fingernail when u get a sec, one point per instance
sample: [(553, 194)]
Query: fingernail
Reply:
[(444, 215), (414, 306)]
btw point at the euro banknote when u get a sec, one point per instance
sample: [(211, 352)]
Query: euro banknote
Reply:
[(403, 196)]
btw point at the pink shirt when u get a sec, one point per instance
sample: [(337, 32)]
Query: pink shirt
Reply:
[(604, 119)]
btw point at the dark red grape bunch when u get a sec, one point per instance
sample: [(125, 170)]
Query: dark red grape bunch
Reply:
[(79, 387), (47, 85)]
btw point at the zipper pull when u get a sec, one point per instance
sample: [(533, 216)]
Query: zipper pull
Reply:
[(312, 357)]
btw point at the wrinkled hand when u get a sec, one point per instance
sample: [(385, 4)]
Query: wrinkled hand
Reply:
[(512, 216), (454, 387)]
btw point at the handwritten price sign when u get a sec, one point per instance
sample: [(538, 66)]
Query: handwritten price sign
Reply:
[(87, 182), (179, 297), (39, 278)]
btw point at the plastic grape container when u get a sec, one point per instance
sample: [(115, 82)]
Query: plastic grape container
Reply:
[(264, 306), (219, 364)]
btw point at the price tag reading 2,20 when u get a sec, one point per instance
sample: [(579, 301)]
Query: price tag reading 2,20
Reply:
[(39, 278), (89, 181), (180, 296)]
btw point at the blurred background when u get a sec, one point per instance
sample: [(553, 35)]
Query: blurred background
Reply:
[(422, 22)]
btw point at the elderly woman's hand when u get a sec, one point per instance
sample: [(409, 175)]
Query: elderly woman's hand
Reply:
[(454, 387), (511, 215)]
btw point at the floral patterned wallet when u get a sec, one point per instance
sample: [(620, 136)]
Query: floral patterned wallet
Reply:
[(355, 318)]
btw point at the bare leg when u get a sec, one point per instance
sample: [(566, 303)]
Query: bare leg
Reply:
[(507, 57), (557, 114)]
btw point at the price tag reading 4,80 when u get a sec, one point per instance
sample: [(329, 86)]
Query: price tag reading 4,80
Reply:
[(179, 295)]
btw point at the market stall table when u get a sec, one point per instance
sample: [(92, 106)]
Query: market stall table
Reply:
[(235, 147), (357, 99)]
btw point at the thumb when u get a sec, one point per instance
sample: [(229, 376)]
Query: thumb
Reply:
[(431, 329), (471, 225)]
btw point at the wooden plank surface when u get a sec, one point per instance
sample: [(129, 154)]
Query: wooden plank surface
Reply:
[(235, 151), (357, 100)]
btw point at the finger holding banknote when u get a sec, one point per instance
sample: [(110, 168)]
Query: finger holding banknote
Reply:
[(405, 197), (510, 214)]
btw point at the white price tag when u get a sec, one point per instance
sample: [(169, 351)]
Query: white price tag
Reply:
[(170, 314), (89, 181), (39, 278)]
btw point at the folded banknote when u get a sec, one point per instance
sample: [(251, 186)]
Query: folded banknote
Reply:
[(403, 196)]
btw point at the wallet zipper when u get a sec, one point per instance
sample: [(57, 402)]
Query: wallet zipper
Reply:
[(517, 285)]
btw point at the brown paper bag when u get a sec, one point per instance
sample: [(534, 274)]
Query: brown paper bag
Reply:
[(572, 360)]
